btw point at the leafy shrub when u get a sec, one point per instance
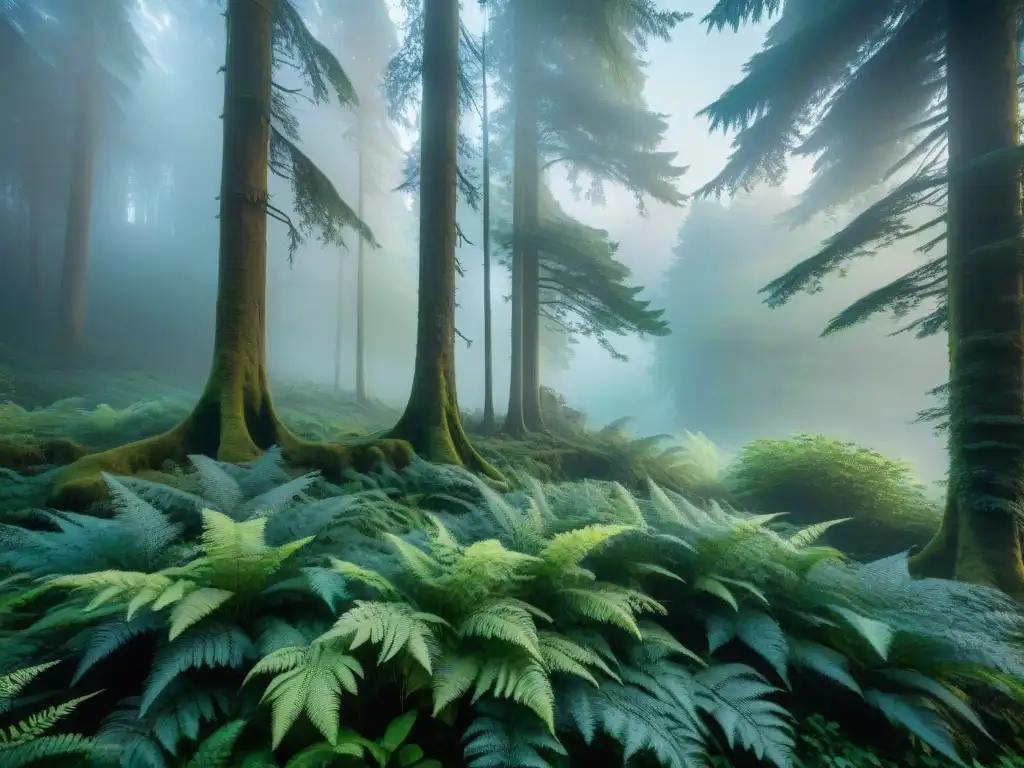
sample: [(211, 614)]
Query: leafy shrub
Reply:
[(561, 418), (253, 619), (814, 478)]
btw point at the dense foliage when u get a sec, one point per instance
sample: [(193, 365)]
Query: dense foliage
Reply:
[(887, 508), (242, 616)]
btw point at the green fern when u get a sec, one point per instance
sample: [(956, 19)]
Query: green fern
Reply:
[(737, 698), (517, 677), (307, 680), (394, 627), (503, 736), (29, 740)]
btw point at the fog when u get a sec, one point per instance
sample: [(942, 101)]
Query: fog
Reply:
[(732, 368)]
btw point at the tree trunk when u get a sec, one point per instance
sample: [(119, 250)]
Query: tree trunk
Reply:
[(360, 288), (489, 425), (431, 422), (235, 420), (530, 167), (532, 414), (78, 225), (980, 533), (338, 323), (235, 411), (524, 201)]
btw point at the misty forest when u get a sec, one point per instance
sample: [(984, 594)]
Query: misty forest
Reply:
[(507, 384)]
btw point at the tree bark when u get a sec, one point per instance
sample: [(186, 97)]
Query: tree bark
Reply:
[(980, 535), (78, 226), (524, 202), (234, 420), (360, 287), (431, 422), (489, 425), (532, 416), (338, 321)]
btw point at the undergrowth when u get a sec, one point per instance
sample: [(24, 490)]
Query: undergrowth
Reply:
[(888, 508), (812, 478), (246, 617)]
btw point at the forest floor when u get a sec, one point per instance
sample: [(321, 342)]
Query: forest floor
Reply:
[(50, 417)]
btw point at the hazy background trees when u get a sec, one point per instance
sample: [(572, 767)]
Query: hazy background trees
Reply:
[(152, 265)]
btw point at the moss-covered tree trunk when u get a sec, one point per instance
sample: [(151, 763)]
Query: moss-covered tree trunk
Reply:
[(78, 226), (431, 422), (234, 419), (979, 540), (234, 416), (489, 424)]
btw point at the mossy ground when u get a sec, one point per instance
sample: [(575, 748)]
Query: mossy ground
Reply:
[(49, 419)]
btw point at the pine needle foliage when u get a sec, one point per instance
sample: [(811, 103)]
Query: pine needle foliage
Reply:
[(318, 206)]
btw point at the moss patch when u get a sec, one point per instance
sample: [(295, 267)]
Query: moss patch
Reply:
[(813, 478)]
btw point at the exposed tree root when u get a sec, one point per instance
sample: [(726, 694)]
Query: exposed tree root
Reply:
[(225, 428), (984, 552), (437, 434), (27, 456)]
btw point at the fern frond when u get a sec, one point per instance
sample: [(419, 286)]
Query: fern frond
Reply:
[(211, 644), (807, 536), (37, 724), (237, 558), (918, 718), (827, 662), (414, 559), (309, 680), (565, 551), (485, 568), (656, 635), (564, 656), (326, 584), (184, 707), (638, 721), (393, 626), (758, 631), (12, 683), (503, 620), (108, 638), (196, 606), (736, 697), (215, 750), (504, 737), (365, 576), (518, 678), (611, 604), (216, 485), (62, 745)]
